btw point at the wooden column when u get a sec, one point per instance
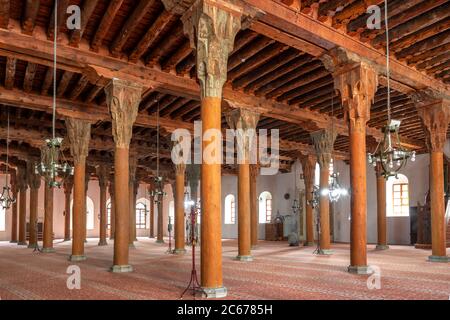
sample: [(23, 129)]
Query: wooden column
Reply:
[(323, 144), (22, 185), (79, 134), (112, 226), (86, 187), (34, 182), (68, 185), (381, 209), (160, 218), (244, 122), (132, 197), (180, 170), (254, 221), (435, 114), (308, 169), (103, 175), (48, 219), (152, 214), (123, 98), (357, 82), (14, 207), (211, 30)]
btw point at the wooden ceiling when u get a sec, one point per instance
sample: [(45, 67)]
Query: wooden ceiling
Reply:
[(142, 33)]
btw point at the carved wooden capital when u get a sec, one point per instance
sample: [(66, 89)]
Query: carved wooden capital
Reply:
[(103, 175), (34, 180), (180, 168), (212, 27), (79, 134), (68, 185), (22, 181), (244, 121), (123, 98), (308, 168), (357, 82), (323, 144), (435, 114)]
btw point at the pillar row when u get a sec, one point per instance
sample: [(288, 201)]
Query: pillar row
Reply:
[(308, 168), (103, 176)]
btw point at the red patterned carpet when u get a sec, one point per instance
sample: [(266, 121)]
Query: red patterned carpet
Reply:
[(278, 272)]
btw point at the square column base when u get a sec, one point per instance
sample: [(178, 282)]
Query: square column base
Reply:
[(48, 250), (179, 251), (67, 239), (103, 243), (325, 252), (160, 241), (22, 243), (212, 293), (122, 268), (76, 258), (438, 259), (382, 247), (359, 269), (244, 258), (13, 241)]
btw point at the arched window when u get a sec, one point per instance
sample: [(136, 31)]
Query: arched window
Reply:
[(265, 207), (230, 209), (108, 214), (2, 218), (397, 196), (141, 215), (89, 214)]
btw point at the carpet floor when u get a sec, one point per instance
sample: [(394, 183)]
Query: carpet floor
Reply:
[(277, 272)]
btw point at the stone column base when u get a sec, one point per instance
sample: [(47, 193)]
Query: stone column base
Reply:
[(13, 241), (33, 245), (244, 258), (325, 252), (160, 241), (359, 269), (382, 247), (76, 258), (67, 239), (102, 243), (48, 250), (22, 243), (179, 251), (308, 244), (438, 259), (121, 268), (212, 293)]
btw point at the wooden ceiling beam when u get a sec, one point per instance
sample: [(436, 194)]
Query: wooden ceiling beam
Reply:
[(30, 73), (29, 17), (424, 45), (10, 72), (4, 13), (64, 83), (86, 12), (105, 23), (182, 53)]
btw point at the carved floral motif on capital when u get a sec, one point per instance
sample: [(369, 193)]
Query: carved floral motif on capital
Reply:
[(79, 135), (211, 31), (22, 181), (308, 168), (103, 175), (435, 119), (323, 144), (244, 121), (123, 98)]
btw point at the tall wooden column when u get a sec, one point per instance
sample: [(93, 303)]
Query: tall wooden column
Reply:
[(381, 210), (48, 219), (180, 170), (103, 175), (34, 181), (152, 214), (254, 221), (14, 207), (357, 82), (244, 122), (435, 114), (79, 134), (112, 225), (212, 31), (22, 185), (123, 98), (323, 144), (308, 169), (159, 218), (68, 185), (132, 197)]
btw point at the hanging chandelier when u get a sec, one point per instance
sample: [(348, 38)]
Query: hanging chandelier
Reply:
[(389, 151), (314, 202), (7, 198), (158, 192), (53, 166), (335, 191)]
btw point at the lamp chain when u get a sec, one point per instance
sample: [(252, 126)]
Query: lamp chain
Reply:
[(388, 70), (54, 69)]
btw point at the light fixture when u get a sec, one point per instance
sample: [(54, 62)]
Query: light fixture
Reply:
[(7, 198), (389, 151), (53, 166), (314, 202), (158, 191), (335, 191)]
